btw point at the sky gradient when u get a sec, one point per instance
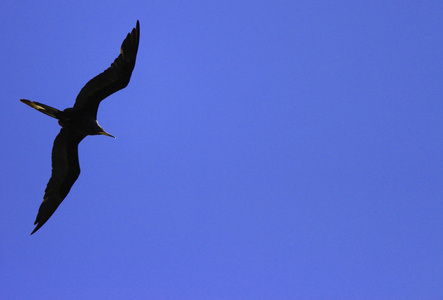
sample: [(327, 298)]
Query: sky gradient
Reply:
[(264, 150)]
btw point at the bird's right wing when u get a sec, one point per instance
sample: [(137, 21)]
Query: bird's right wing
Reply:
[(65, 171), (113, 79)]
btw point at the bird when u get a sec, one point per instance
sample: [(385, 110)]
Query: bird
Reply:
[(79, 121)]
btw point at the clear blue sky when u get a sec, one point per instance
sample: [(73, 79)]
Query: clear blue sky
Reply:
[(265, 150)]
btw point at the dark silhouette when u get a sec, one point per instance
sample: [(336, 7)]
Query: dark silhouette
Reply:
[(79, 121)]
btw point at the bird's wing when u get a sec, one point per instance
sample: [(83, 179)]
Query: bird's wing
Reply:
[(65, 171), (115, 78)]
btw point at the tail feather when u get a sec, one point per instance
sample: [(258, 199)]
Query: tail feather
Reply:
[(48, 110)]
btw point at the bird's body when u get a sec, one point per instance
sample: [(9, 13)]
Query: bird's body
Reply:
[(80, 121)]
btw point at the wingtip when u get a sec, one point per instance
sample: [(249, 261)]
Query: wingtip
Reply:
[(39, 225), (35, 229), (137, 30)]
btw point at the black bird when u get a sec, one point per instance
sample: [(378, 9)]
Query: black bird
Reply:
[(79, 121)]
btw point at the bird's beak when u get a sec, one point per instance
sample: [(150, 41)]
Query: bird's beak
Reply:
[(105, 133)]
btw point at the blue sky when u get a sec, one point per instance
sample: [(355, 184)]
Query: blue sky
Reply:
[(265, 150)]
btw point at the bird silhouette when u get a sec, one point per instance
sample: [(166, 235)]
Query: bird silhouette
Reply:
[(79, 121)]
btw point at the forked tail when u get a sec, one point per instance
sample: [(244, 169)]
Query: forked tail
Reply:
[(50, 111)]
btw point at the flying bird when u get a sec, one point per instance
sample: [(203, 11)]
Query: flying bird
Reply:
[(79, 121)]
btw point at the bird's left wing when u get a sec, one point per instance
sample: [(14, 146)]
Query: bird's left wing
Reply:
[(115, 78), (65, 171)]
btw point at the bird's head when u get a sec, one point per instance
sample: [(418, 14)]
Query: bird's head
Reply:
[(99, 130)]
